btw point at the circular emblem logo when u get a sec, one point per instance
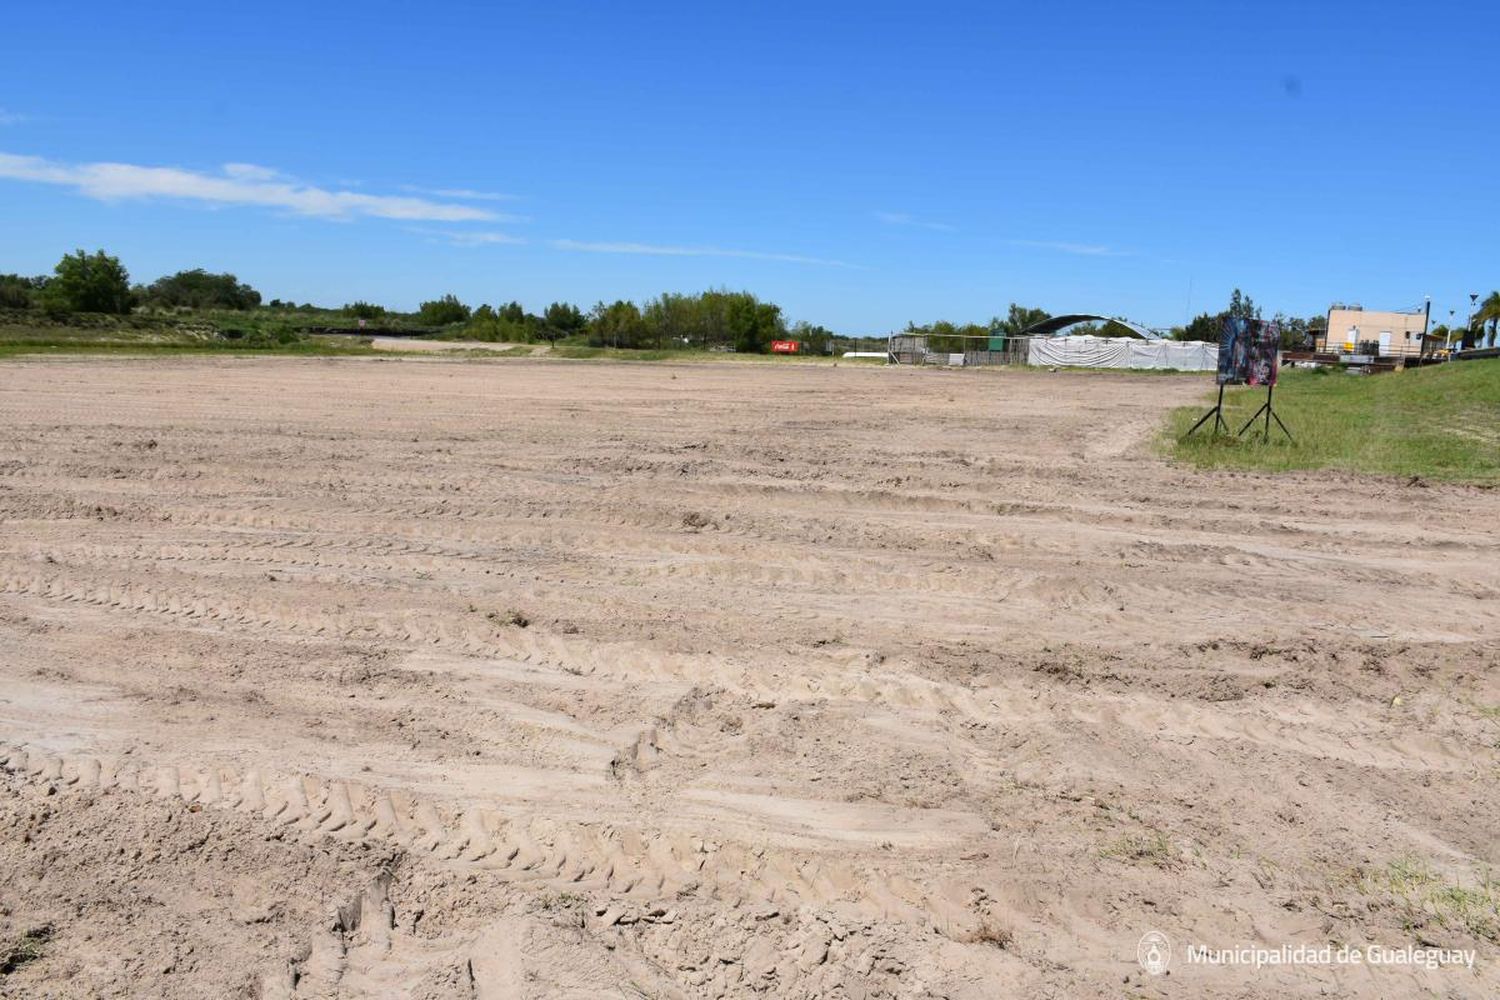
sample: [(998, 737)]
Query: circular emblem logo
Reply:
[(1154, 952)]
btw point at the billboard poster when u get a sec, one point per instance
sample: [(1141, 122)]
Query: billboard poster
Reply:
[(1264, 354), (785, 346), (1249, 352), (1233, 348)]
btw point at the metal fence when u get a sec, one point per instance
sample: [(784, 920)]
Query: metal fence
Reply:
[(956, 351)]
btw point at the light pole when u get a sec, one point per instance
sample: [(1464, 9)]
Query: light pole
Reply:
[(1426, 325), (1473, 306)]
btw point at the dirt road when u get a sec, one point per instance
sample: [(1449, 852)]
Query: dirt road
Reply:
[(415, 677)]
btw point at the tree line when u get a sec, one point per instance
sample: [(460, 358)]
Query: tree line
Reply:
[(712, 320), (99, 283), (1206, 326), (1483, 328), (1296, 332), (717, 319)]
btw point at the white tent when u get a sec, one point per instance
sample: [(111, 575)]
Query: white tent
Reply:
[(1122, 352)]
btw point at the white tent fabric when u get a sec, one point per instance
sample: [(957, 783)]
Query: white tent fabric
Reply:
[(1122, 352)]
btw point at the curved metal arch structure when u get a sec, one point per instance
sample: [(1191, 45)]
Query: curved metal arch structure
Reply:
[(1048, 327)]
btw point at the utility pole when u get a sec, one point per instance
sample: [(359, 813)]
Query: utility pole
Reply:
[(1426, 323)]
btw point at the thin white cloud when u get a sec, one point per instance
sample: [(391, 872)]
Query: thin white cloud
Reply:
[(1082, 249), (674, 251), (463, 194), (237, 184), (902, 219), (252, 172), (11, 117), (462, 238)]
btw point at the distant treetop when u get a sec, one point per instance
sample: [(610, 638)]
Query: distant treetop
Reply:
[(198, 289)]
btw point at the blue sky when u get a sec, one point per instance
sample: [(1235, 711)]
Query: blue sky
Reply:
[(861, 164)]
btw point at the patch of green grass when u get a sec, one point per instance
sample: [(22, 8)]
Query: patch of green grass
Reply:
[(32, 332), (267, 331), (578, 352), (1439, 423), (17, 340), (1423, 895)]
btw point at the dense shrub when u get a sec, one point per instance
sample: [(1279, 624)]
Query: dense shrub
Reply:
[(198, 289), (84, 282), (445, 311)]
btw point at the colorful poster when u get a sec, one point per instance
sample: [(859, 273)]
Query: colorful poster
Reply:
[(1249, 352), (1265, 353), (1234, 350)]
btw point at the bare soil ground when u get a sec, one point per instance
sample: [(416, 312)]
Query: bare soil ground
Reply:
[(359, 677)]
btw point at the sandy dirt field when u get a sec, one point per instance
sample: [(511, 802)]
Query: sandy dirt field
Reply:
[(427, 678)]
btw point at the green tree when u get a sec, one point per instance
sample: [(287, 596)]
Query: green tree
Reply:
[(445, 311), (1204, 326), (1488, 315), (197, 289), (1106, 328), (618, 324), (1241, 306), (1299, 334), (814, 339), (1209, 326), (675, 320), (944, 336), (710, 320), (359, 310), (20, 292), (84, 282), (753, 324), (562, 319), (507, 324), (713, 319), (488, 323), (1018, 318), (483, 324), (1317, 326)]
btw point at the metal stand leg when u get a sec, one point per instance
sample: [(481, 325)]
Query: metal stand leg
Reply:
[(1253, 417), (1270, 414), (1217, 413)]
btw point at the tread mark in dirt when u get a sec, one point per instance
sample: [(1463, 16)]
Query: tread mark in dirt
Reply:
[(618, 860)]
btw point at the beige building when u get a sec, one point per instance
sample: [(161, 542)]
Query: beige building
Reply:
[(1397, 334)]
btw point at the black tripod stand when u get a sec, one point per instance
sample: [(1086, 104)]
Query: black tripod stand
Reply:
[(1217, 412), (1270, 415)]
